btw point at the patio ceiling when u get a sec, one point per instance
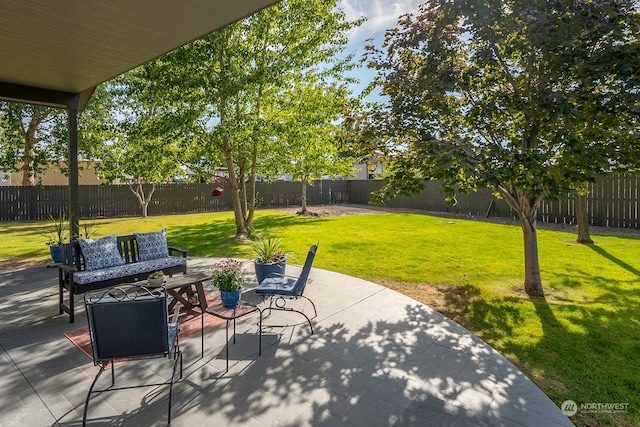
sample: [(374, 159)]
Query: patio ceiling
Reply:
[(56, 52)]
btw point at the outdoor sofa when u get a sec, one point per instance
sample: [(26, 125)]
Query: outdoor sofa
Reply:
[(96, 264)]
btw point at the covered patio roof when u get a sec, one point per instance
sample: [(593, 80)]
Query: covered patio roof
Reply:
[(55, 53)]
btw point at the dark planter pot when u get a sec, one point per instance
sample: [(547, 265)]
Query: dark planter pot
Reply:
[(57, 255), (275, 269), (230, 299)]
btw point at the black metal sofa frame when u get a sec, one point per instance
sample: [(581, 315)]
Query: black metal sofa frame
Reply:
[(74, 262)]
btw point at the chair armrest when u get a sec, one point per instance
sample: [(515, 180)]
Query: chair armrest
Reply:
[(67, 268), (176, 314), (181, 251), (174, 329)]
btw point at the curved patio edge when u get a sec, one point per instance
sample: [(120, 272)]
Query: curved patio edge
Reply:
[(404, 363)]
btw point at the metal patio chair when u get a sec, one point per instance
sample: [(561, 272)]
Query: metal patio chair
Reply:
[(131, 323), (281, 289)]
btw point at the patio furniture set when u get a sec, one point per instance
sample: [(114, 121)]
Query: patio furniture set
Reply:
[(131, 321)]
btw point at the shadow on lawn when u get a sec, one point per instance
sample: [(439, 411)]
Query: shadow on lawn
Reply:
[(279, 222), (585, 352), (464, 304), (217, 239), (586, 358), (602, 252)]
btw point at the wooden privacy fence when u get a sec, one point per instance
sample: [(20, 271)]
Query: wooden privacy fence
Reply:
[(37, 203), (613, 200)]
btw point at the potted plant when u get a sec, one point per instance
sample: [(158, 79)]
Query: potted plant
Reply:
[(88, 229), (57, 234), (271, 258), (156, 278), (226, 275)]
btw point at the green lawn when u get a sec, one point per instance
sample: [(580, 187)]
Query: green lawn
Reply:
[(581, 343)]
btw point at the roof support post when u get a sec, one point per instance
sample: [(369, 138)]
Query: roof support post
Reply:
[(72, 123)]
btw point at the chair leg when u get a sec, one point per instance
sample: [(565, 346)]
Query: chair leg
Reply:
[(270, 303), (260, 334), (308, 320), (315, 312), (281, 303), (60, 291), (93, 384), (71, 306), (103, 365), (178, 359)]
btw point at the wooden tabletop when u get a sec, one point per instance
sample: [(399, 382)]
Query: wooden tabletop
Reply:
[(181, 280)]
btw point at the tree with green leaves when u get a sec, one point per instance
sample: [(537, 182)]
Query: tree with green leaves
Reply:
[(228, 77), (28, 142), (308, 133), (524, 97), (142, 164), (33, 138), (143, 144)]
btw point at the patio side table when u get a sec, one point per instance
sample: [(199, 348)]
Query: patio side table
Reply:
[(228, 314)]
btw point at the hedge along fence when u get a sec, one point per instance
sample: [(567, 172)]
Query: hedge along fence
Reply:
[(613, 200)]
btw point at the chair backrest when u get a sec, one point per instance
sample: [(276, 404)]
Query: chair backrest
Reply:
[(301, 283), (127, 323)]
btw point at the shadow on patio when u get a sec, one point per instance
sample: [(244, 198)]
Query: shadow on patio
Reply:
[(377, 358)]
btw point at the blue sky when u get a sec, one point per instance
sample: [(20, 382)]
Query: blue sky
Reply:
[(381, 15)]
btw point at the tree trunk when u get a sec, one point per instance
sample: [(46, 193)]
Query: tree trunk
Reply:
[(303, 196), (28, 178), (236, 201), (29, 135), (143, 199), (242, 185), (251, 192), (527, 207), (532, 278), (584, 235), (241, 228), (27, 175)]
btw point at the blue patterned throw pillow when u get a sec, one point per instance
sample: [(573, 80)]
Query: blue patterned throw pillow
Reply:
[(100, 253), (152, 245)]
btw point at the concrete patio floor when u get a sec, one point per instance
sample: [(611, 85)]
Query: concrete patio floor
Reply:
[(377, 358)]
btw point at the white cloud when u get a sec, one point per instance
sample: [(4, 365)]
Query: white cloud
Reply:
[(381, 15)]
